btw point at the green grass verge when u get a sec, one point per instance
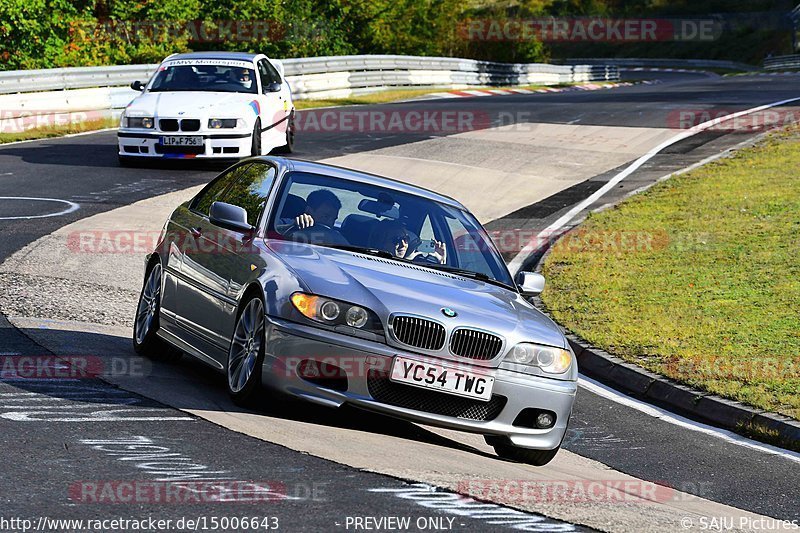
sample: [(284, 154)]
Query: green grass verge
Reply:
[(697, 278), (57, 131)]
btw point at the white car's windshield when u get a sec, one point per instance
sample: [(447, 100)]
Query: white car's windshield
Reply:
[(355, 216), (205, 77)]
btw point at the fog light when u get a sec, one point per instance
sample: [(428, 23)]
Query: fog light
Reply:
[(545, 420)]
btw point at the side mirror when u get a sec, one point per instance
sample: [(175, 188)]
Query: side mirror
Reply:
[(230, 217), (530, 283), (273, 88), (137, 86)]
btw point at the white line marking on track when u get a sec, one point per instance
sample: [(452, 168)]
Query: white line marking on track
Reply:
[(550, 231), (662, 414), (71, 206)]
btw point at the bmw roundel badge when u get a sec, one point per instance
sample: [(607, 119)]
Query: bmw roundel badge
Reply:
[(446, 311)]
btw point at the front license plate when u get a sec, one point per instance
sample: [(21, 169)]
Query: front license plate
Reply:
[(442, 378), (182, 141)]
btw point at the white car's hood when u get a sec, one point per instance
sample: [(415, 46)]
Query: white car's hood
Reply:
[(185, 104)]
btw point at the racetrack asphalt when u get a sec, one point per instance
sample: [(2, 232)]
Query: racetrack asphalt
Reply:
[(83, 170)]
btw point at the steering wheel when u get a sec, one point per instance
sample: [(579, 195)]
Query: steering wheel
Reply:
[(424, 258), (316, 234)]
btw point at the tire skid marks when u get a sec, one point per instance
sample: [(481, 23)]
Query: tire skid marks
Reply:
[(62, 400)]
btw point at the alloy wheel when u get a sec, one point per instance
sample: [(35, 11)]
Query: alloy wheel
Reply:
[(246, 345)]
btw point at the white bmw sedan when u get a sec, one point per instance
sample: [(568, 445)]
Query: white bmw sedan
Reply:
[(209, 105)]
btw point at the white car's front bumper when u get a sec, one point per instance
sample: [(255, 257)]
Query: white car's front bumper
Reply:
[(217, 144)]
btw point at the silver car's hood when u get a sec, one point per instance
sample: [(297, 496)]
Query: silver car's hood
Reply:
[(388, 287)]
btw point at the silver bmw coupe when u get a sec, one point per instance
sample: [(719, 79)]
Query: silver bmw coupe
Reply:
[(337, 286)]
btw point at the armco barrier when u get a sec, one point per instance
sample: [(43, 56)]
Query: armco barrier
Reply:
[(106, 88), (662, 63), (782, 62)]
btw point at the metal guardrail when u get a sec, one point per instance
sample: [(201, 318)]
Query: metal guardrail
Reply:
[(782, 62), (106, 89), (57, 79), (662, 63), (365, 71)]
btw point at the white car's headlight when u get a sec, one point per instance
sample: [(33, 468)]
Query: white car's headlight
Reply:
[(549, 359), (139, 122), (219, 123)]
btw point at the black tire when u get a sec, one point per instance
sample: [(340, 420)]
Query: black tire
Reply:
[(288, 148), (255, 145), (146, 341), (508, 451), (246, 354)]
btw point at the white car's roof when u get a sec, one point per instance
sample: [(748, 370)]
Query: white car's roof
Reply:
[(238, 56)]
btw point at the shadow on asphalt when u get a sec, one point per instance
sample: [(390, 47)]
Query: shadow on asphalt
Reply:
[(64, 153), (125, 366)]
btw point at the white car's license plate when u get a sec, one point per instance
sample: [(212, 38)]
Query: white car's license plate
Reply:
[(442, 378), (174, 140)]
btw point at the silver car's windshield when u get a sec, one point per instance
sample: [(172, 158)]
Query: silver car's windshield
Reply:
[(205, 77), (355, 216)]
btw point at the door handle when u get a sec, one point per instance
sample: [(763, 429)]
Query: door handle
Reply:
[(196, 232)]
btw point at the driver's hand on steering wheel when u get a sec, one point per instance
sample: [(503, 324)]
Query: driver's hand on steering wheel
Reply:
[(304, 221)]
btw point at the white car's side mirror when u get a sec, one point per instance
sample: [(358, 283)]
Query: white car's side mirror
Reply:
[(530, 283)]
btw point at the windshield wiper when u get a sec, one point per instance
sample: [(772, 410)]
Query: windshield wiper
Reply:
[(480, 276), (366, 250)]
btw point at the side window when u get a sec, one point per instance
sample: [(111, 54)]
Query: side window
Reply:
[(268, 74), (426, 233), (468, 250), (251, 190), (214, 191), (274, 76)]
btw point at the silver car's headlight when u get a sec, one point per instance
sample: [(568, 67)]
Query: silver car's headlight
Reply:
[(550, 360), (139, 122), (334, 312), (218, 123)]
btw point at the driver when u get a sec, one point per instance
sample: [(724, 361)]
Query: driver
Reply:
[(316, 224), (395, 240), (322, 207), (244, 78)]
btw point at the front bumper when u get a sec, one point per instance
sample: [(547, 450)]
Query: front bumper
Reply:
[(138, 143), (366, 365)]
